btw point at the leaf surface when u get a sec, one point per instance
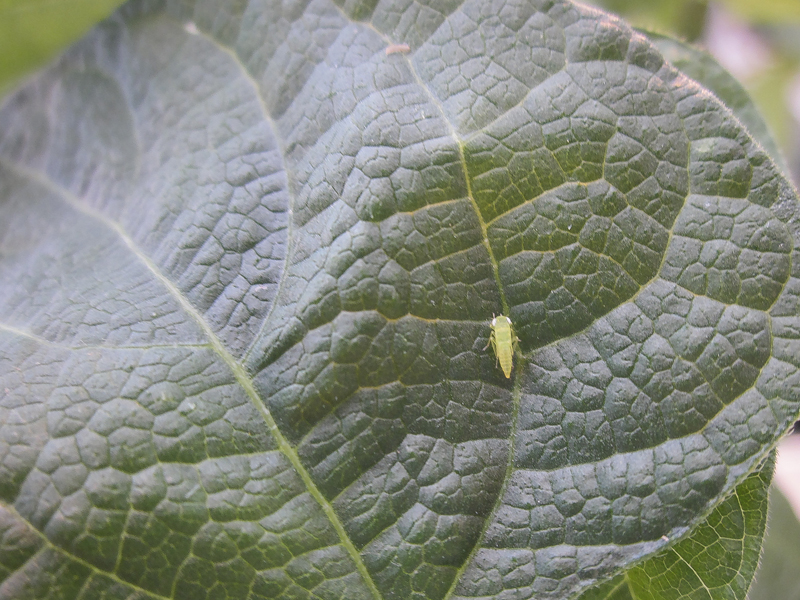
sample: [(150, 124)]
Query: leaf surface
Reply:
[(703, 67), (248, 261), (717, 561)]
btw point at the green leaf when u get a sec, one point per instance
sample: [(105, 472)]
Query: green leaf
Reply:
[(248, 261), (766, 11), (33, 31), (777, 575), (704, 68), (717, 561), (685, 18)]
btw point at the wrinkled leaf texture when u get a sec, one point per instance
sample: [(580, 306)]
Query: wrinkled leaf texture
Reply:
[(247, 265), (718, 560)]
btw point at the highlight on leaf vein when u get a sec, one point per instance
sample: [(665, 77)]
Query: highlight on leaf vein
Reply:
[(503, 340)]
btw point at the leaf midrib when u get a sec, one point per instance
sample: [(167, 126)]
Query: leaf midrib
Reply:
[(239, 372), (237, 369), (283, 443)]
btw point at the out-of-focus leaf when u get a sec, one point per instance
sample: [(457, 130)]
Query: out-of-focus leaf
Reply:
[(765, 11), (777, 576), (685, 18), (770, 90), (33, 31)]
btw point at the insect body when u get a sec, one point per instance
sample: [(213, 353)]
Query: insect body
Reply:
[(397, 48), (503, 340)]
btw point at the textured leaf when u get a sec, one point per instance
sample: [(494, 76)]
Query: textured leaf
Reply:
[(701, 66), (248, 260), (717, 561), (679, 571)]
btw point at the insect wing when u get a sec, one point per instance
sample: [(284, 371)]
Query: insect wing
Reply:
[(397, 49), (503, 343)]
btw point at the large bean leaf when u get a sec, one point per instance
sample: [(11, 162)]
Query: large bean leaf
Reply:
[(248, 259)]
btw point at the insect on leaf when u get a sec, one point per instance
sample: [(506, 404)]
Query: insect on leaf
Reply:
[(502, 339)]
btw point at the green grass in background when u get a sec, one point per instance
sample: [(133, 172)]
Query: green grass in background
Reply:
[(32, 32)]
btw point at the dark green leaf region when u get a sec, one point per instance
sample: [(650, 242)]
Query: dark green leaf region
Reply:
[(248, 261)]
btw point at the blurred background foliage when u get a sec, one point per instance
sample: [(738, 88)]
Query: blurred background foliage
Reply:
[(757, 41), (777, 577), (33, 31)]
